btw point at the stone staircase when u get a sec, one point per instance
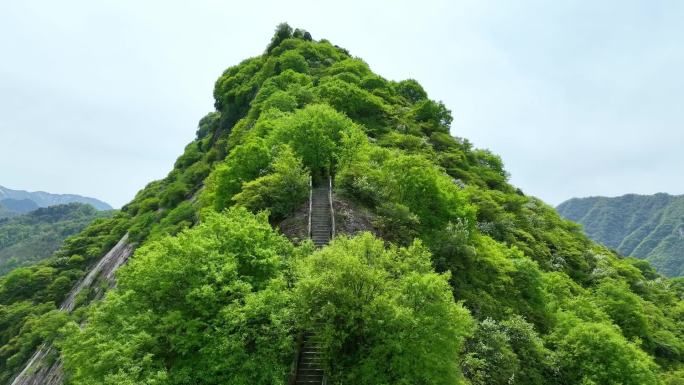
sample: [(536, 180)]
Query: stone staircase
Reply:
[(309, 369), (322, 228)]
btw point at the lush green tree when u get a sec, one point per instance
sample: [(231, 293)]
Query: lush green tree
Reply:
[(292, 60), (489, 358), (283, 31), (245, 163), (371, 306), (354, 101), (282, 101), (281, 191), (411, 90), (314, 133), (596, 353), (624, 308), (205, 306), (174, 194), (432, 116)]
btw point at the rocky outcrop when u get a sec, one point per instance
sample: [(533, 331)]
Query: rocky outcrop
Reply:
[(45, 367)]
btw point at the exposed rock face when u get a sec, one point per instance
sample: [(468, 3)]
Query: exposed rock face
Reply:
[(351, 218), (295, 226), (45, 367), (104, 269)]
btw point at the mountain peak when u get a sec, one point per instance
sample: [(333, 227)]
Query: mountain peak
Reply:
[(412, 258), (45, 199)]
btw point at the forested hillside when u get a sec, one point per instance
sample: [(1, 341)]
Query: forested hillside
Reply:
[(29, 238), (649, 227), (17, 202), (442, 272)]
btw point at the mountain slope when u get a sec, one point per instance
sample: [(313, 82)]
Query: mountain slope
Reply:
[(20, 202), (31, 237), (19, 206), (648, 227), (460, 278)]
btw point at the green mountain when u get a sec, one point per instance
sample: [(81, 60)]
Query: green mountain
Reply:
[(648, 227), (19, 206), (29, 238), (425, 266), (17, 202)]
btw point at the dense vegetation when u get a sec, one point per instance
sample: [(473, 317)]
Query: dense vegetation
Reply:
[(29, 238), (13, 207), (471, 282), (649, 227)]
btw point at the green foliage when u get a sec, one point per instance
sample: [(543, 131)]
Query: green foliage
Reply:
[(644, 226), (508, 352), (282, 32), (624, 307), (245, 163), (208, 125), (314, 133), (29, 294), (175, 194), (280, 191), (432, 116), (354, 101), (210, 301), (371, 305), (400, 182), (596, 353), (32, 237), (291, 60), (220, 298), (411, 90)]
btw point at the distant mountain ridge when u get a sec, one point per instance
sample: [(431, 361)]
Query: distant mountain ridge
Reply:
[(649, 227), (15, 202), (29, 238)]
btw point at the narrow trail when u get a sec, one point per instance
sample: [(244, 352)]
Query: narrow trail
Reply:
[(309, 370), (321, 216)]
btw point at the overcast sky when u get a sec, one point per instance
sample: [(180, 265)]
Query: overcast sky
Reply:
[(578, 97)]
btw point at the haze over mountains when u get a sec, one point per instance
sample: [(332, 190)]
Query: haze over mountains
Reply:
[(648, 227), (16, 202)]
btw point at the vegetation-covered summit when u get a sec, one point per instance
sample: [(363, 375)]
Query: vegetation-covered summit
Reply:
[(460, 278), (649, 227)]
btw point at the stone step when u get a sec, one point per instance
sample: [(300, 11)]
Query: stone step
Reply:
[(309, 368), (321, 221)]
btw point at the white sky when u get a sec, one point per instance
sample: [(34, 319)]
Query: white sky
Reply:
[(578, 97)]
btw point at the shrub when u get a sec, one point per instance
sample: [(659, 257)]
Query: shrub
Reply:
[(174, 194), (210, 301), (292, 60), (280, 191), (371, 306)]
